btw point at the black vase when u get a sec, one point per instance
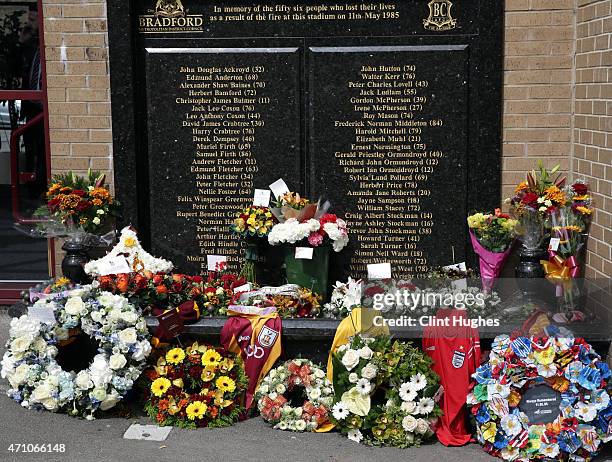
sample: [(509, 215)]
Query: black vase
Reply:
[(530, 273), (74, 262)]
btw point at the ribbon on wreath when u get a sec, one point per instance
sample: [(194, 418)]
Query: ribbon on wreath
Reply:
[(560, 271), (302, 372), (187, 313)]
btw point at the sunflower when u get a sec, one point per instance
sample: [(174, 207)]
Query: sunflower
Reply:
[(211, 358), (224, 383), (175, 356), (160, 386), (196, 410)]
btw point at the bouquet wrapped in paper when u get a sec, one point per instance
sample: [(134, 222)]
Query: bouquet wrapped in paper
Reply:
[(492, 237)]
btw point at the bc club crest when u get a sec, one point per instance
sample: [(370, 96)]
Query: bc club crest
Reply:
[(440, 17), (267, 337)]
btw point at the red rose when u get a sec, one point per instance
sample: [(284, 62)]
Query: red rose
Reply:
[(196, 279), (530, 199), (580, 189), (141, 281), (158, 279), (177, 287), (161, 289), (53, 204)]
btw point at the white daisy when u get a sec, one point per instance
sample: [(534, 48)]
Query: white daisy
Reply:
[(426, 405), (418, 381), (364, 386), (406, 392), (340, 411), (355, 435)]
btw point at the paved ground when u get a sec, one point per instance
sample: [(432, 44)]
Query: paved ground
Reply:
[(102, 440)]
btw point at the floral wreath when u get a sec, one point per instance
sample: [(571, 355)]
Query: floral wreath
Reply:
[(386, 392), (38, 381), (197, 386), (275, 406), (569, 366)]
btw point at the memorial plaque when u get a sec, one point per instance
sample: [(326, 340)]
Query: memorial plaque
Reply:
[(540, 404), (390, 109)]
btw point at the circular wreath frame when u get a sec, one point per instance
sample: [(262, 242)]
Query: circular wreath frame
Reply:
[(568, 365), (273, 405), (38, 381), (216, 373)]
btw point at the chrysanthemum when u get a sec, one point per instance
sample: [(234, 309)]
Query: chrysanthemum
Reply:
[(211, 358), (160, 386), (196, 410), (175, 356), (340, 411), (224, 383)]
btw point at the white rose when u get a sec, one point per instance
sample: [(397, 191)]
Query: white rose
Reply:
[(83, 381), (96, 316), (300, 425), (319, 374), (350, 359), (100, 373), (110, 401), (280, 389), (409, 423), (408, 407), (298, 411), (422, 426), (264, 389), (117, 361), (74, 305), (51, 351), (41, 392), (142, 350), (106, 299), (96, 221), (21, 344), (19, 376), (353, 378), (115, 315), (369, 371), (99, 394), (50, 404), (366, 352), (128, 336), (129, 316), (315, 393)]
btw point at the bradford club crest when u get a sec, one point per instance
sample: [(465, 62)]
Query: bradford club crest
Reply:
[(267, 337), (169, 8), (440, 17)]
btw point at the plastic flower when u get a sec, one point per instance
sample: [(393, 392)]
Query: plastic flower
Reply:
[(498, 389), (600, 399), (211, 358), (160, 386), (547, 370), (585, 412), (364, 386), (549, 450), (510, 453), (418, 382), (340, 411), (224, 383), (196, 410), (511, 424), (175, 356), (406, 392)]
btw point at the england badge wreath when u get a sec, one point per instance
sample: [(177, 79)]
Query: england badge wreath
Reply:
[(295, 396), (32, 362), (542, 398)]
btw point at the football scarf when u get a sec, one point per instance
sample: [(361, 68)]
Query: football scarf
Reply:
[(456, 355), (257, 338)]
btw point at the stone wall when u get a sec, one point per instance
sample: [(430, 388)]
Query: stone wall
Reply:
[(549, 45)]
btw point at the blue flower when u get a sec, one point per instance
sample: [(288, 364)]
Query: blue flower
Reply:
[(589, 378), (603, 369), (483, 415), (501, 440), (568, 442), (521, 347)]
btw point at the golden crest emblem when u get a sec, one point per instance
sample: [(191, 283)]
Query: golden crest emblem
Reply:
[(440, 17), (169, 8)]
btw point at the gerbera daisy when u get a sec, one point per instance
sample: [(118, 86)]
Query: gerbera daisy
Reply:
[(224, 383), (211, 358), (364, 386), (160, 386), (196, 410), (340, 411), (418, 381), (426, 405), (175, 356), (406, 392)]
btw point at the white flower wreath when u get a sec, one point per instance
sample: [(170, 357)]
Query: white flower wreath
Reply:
[(276, 409), (38, 381)]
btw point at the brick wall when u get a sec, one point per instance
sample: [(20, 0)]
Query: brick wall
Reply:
[(593, 124), (539, 75), (538, 80)]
